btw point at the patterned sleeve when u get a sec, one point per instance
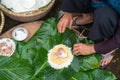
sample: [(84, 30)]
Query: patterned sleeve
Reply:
[(99, 3), (115, 4)]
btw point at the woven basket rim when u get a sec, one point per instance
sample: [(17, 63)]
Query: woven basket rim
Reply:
[(2, 21), (28, 13)]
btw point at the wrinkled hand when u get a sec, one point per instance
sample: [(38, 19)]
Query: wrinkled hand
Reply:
[(83, 49), (108, 59), (65, 21)]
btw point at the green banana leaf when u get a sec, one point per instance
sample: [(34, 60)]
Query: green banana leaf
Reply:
[(14, 69), (30, 62), (94, 75)]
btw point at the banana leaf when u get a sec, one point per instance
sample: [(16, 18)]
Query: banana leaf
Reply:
[(95, 74), (14, 69), (32, 57)]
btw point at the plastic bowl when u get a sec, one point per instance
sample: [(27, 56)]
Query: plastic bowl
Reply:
[(7, 47), (20, 34)]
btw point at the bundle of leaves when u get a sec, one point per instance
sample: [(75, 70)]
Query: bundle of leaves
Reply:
[(30, 62)]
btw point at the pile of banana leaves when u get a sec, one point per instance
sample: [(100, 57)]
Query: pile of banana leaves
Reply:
[(30, 60)]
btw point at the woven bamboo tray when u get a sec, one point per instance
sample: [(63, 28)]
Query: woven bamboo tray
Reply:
[(29, 15), (2, 21)]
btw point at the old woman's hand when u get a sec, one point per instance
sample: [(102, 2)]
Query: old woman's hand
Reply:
[(83, 49), (65, 21)]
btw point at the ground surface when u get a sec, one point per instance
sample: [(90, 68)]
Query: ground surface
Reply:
[(114, 66)]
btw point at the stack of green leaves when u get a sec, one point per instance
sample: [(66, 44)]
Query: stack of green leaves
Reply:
[(30, 62)]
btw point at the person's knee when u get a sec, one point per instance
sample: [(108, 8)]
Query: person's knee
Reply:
[(107, 20), (104, 14)]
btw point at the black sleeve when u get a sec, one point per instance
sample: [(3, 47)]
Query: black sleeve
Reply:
[(77, 6), (110, 44)]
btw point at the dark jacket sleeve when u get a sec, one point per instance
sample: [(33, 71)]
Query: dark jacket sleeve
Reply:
[(110, 44), (77, 6)]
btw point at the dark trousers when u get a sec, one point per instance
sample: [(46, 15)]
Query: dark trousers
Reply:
[(105, 23)]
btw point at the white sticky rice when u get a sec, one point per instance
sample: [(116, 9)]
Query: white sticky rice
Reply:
[(66, 63), (24, 5)]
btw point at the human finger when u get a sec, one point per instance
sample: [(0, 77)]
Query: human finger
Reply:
[(63, 27), (106, 61), (77, 45), (70, 24), (75, 48), (109, 60), (76, 52), (60, 26), (103, 62)]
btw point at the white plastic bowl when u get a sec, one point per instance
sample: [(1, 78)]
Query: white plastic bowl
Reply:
[(20, 34), (8, 43)]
